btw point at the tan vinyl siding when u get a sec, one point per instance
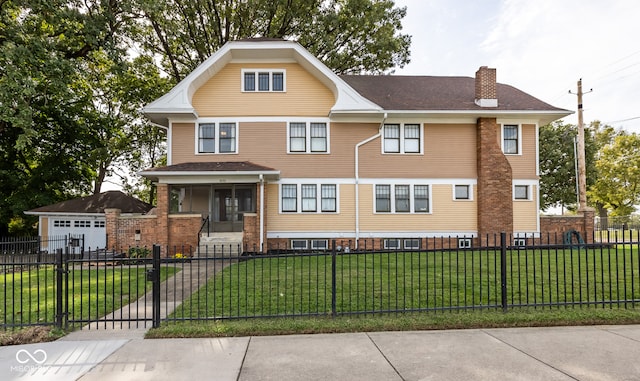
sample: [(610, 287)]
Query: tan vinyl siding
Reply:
[(524, 166), (183, 142), (312, 222), (449, 152), (447, 215), (222, 94), (525, 213)]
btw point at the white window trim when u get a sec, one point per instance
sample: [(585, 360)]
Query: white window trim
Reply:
[(453, 192), (529, 190), (502, 126), (412, 200), (325, 246), (464, 243), (216, 123), (386, 244), (420, 152), (306, 244), (318, 197), (270, 71), (308, 137), (410, 247)]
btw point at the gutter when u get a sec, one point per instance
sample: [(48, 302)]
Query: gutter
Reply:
[(357, 174)]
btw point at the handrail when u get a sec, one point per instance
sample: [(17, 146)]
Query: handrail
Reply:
[(205, 221)]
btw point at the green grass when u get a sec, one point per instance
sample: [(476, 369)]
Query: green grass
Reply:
[(301, 285), (29, 297), (398, 322)]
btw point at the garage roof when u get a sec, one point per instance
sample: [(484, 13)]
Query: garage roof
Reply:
[(96, 203)]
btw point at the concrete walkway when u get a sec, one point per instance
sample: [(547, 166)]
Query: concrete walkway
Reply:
[(562, 353)]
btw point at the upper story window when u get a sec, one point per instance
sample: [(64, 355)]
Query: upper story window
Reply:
[(308, 137), (402, 138), (406, 198), (268, 80), (511, 139), (217, 138)]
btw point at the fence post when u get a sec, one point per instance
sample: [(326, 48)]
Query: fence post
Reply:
[(503, 269), (156, 286), (59, 282), (333, 278)]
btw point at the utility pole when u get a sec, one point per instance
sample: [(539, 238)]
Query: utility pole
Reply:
[(582, 164)]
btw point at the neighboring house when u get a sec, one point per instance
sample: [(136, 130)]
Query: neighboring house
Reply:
[(85, 216), (266, 141)]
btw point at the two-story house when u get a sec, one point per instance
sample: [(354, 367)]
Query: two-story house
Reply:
[(266, 141)]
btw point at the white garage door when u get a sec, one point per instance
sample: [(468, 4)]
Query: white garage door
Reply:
[(93, 229)]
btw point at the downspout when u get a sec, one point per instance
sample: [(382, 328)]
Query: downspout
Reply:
[(261, 212), (357, 174)]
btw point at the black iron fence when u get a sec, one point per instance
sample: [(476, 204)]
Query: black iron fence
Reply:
[(99, 289)]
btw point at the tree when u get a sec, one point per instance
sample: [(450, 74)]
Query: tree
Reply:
[(349, 36), (618, 165), (558, 165)]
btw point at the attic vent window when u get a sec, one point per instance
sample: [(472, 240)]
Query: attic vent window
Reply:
[(263, 80)]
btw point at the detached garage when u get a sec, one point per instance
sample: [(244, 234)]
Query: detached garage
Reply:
[(85, 216)]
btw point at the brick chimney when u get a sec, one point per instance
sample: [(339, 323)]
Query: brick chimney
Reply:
[(486, 94)]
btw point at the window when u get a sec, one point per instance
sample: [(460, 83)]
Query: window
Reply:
[(207, 138), (319, 244), (520, 242), (289, 198), (401, 198), (308, 137), (521, 192), (421, 198), (412, 244), (464, 243), (391, 244), (328, 198), (263, 80), (217, 138), (462, 192), (81, 224), (99, 224), (402, 138), (510, 144), (309, 196), (62, 223), (299, 244), (391, 138), (383, 198)]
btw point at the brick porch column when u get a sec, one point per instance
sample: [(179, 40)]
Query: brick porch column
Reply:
[(494, 189), (112, 217)]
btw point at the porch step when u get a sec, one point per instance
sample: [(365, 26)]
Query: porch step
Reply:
[(225, 244)]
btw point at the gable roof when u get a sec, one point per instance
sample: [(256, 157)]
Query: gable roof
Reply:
[(95, 204), (356, 95)]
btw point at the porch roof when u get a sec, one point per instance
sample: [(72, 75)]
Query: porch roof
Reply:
[(207, 172)]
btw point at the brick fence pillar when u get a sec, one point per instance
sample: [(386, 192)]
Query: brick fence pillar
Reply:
[(112, 217)]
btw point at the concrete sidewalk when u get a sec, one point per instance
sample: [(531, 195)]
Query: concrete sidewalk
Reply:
[(562, 353)]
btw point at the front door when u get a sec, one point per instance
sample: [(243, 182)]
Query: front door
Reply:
[(229, 205)]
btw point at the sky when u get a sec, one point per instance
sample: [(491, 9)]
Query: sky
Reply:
[(541, 47)]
